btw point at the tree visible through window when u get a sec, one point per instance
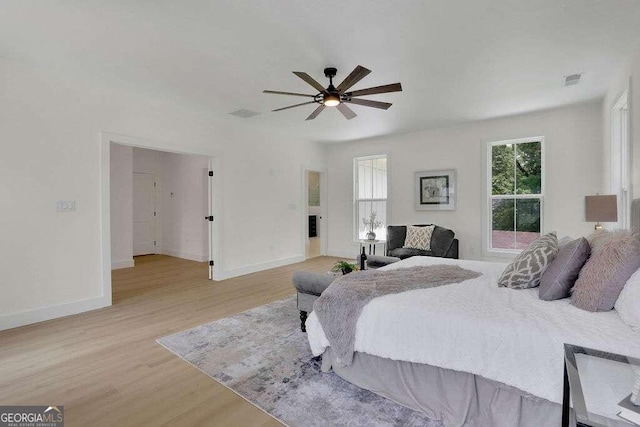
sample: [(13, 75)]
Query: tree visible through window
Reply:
[(516, 193), (370, 176)]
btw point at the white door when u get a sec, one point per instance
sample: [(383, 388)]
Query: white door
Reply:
[(144, 214)]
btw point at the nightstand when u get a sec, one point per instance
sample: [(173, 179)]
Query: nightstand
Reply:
[(372, 245), (595, 382)]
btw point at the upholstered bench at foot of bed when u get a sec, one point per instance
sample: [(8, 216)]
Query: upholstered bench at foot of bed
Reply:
[(309, 287)]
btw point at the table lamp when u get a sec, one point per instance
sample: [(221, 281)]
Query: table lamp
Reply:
[(601, 208)]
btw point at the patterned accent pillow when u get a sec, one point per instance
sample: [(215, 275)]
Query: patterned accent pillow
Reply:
[(419, 237), (526, 270)]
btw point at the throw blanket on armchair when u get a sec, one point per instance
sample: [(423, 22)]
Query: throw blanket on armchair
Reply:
[(340, 305)]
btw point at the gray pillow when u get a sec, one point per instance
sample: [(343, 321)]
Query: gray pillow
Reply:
[(441, 240), (562, 273), (525, 271), (614, 258)]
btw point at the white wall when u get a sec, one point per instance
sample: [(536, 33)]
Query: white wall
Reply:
[(573, 169), (50, 125), (628, 79), (147, 161), (121, 185)]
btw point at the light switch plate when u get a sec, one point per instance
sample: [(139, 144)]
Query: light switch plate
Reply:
[(66, 206)]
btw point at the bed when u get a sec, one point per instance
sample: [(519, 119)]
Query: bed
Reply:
[(472, 353)]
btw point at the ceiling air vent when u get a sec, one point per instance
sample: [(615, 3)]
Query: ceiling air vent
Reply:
[(245, 114), (572, 79)]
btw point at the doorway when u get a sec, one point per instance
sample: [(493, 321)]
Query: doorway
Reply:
[(314, 212), (160, 204), (111, 221)]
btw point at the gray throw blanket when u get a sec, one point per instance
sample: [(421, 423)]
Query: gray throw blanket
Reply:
[(340, 305)]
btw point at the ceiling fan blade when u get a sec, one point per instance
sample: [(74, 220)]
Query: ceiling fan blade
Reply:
[(356, 75), (307, 78), (315, 113), (369, 103), (346, 111), (395, 87), (292, 106), (276, 92)]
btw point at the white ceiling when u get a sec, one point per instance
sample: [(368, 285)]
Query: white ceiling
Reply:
[(457, 60)]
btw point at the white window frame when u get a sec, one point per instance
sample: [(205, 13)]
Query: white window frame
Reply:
[(356, 220), (488, 197), (621, 180)]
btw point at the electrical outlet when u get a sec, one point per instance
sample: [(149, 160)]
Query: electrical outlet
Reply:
[(66, 206)]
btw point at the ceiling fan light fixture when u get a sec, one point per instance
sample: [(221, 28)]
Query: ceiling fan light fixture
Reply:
[(339, 96), (331, 100)]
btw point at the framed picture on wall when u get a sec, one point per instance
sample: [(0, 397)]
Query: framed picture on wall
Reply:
[(436, 190)]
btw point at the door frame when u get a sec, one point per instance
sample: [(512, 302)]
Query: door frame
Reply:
[(304, 217), (215, 198)]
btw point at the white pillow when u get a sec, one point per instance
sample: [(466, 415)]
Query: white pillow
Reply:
[(628, 303)]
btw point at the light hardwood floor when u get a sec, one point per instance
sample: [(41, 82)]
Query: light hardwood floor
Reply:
[(105, 366), (313, 247)]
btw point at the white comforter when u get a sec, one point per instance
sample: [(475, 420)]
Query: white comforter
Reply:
[(505, 335)]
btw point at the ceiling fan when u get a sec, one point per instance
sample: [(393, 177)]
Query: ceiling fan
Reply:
[(338, 96)]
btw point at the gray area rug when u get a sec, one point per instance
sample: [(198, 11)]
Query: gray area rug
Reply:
[(262, 355)]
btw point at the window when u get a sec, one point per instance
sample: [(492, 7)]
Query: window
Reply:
[(515, 188), (620, 160), (370, 194)]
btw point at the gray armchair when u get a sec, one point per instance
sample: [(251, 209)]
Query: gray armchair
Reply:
[(443, 243)]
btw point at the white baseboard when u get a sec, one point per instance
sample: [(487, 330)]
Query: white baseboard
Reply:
[(14, 320), (184, 255), (127, 263), (240, 271)]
